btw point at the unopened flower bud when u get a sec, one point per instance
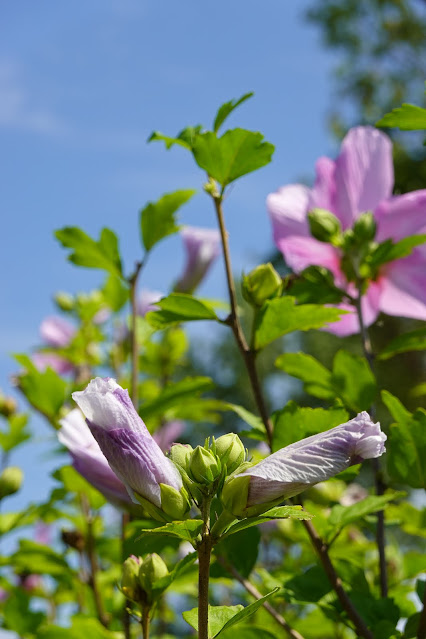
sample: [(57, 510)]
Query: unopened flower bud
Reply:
[(8, 406), (204, 468), (365, 228), (261, 284), (152, 569), (230, 449), (10, 481), (180, 455), (65, 301), (174, 503), (324, 226), (130, 579), (235, 495)]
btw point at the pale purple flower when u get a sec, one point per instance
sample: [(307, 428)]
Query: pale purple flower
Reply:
[(146, 300), (46, 359), (3, 594), (125, 441), (359, 180), (30, 582), (202, 247), (353, 494), (167, 434), (299, 466), (56, 331), (89, 460)]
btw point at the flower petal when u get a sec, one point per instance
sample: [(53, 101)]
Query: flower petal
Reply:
[(301, 252), (288, 209), (314, 459), (56, 331), (364, 173), (402, 215), (404, 286), (323, 193), (202, 248)]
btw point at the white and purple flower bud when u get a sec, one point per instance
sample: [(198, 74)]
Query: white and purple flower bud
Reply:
[(202, 247), (125, 441), (299, 466), (89, 460), (146, 301)]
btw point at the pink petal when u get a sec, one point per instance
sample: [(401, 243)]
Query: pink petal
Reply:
[(402, 215), (404, 286), (364, 173), (323, 194), (349, 324), (288, 209), (301, 252)]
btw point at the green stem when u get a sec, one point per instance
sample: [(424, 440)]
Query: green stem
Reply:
[(145, 621), (204, 553), (379, 484), (248, 354), (125, 518)]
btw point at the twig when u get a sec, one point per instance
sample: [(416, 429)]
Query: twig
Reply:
[(257, 595), (91, 555), (248, 354), (204, 554), (379, 485)]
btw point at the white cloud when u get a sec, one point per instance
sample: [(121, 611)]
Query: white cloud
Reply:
[(18, 109)]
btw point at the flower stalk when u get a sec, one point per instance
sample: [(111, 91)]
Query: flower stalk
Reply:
[(204, 554)]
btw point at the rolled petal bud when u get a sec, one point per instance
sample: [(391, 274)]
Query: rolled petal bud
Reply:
[(152, 569), (56, 331), (261, 284), (202, 247), (130, 580), (230, 449), (44, 360), (146, 301), (125, 441), (299, 466), (89, 460), (204, 468), (10, 481)]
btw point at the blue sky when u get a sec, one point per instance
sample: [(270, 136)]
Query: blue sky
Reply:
[(83, 85)]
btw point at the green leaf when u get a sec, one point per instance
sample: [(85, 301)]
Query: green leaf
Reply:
[(240, 550), (407, 117), (180, 569), (45, 390), (85, 251), (226, 109), (115, 293), (10, 521), (17, 434), (185, 138), (280, 512), (407, 451), (81, 627), (315, 285), (177, 308), (248, 632), (294, 422), (175, 394), (395, 407), (316, 377), (218, 617), (353, 380), (341, 516), (247, 611), (231, 156), (158, 219), (35, 558), (73, 482), (18, 615), (186, 530), (281, 316), (413, 341), (388, 251), (311, 586), (256, 423)]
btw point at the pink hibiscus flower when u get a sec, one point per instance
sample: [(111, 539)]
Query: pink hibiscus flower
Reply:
[(359, 180)]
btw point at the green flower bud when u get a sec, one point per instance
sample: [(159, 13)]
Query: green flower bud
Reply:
[(235, 495), (152, 569), (10, 481), (8, 406), (324, 226), (180, 455), (130, 579), (174, 503), (365, 228), (204, 468), (261, 284), (65, 301), (230, 449)]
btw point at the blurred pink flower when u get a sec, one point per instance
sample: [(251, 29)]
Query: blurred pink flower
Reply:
[(202, 248), (167, 434), (359, 180), (146, 301), (56, 332)]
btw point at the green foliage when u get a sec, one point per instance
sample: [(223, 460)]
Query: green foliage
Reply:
[(73, 482), (173, 396), (160, 585), (115, 293), (178, 308), (294, 422), (17, 432), (240, 550), (316, 377), (315, 285), (18, 616), (407, 451), (158, 219), (231, 156), (185, 138), (85, 251), (185, 530), (32, 557), (226, 109), (388, 251), (223, 618), (395, 407), (281, 316), (280, 512), (413, 341), (81, 627), (407, 117)]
